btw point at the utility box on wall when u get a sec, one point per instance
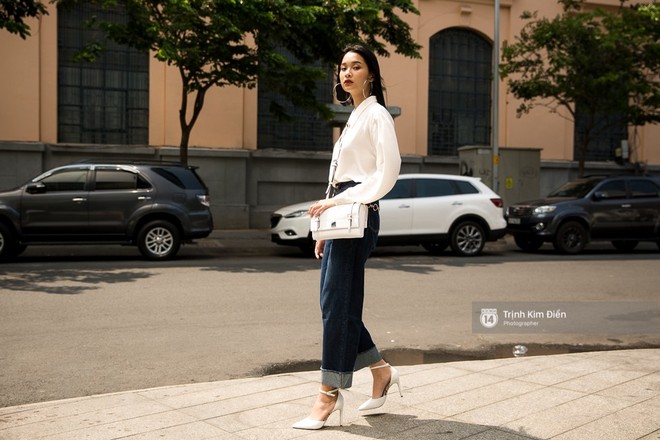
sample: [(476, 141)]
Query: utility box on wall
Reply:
[(518, 172)]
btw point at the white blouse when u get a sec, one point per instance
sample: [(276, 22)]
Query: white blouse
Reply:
[(369, 154)]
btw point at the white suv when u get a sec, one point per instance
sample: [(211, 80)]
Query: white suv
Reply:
[(432, 210)]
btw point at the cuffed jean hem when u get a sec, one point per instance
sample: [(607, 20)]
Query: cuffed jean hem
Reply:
[(336, 379)]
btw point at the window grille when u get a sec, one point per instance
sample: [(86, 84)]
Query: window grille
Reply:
[(107, 101), (605, 137), (459, 91), (306, 130)]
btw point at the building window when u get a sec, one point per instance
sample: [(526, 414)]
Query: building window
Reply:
[(606, 135), (303, 130), (459, 91), (107, 101)]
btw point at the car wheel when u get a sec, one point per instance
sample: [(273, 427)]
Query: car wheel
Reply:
[(8, 243), (625, 245), (571, 238), (528, 244), (467, 239), (159, 240), (436, 247)]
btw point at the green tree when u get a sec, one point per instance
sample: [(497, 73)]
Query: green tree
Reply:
[(14, 12), (603, 62), (237, 43)]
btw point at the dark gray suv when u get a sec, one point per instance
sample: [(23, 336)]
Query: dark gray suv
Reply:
[(153, 205), (622, 209)]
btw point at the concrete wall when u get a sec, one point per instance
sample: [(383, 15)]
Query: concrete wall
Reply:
[(246, 186)]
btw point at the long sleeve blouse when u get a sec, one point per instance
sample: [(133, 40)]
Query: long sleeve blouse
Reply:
[(368, 153)]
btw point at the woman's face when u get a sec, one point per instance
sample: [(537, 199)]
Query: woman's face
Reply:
[(353, 72)]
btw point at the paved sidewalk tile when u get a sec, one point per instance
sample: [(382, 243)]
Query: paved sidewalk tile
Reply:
[(586, 396)]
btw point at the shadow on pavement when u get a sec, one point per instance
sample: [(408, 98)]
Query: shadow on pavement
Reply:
[(420, 428)]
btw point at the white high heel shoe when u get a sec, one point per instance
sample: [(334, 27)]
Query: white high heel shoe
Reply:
[(377, 403), (312, 424)]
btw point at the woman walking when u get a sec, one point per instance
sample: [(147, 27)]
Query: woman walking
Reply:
[(366, 170)]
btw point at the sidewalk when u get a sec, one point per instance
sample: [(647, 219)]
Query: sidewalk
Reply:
[(597, 395)]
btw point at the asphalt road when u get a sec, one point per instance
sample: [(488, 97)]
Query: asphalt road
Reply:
[(78, 321)]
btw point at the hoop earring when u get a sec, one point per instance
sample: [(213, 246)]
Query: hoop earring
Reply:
[(371, 88), (334, 94)]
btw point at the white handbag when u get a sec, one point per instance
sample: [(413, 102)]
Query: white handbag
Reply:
[(341, 221)]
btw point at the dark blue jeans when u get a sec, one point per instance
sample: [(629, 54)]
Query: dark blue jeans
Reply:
[(347, 345)]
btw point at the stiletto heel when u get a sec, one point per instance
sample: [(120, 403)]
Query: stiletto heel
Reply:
[(312, 424), (377, 403)]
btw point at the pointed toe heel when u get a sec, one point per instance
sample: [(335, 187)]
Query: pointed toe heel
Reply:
[(311, 424), (377, 403)]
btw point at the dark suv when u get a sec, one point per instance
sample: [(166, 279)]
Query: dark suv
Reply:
[(153, 205), (622, 209)]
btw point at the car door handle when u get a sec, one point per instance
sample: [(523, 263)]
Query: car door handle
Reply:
[(626, 205), (79, 199), (144, 198), (403, 206), (457, 204)]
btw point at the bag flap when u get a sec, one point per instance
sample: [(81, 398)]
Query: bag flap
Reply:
[(341, 217)]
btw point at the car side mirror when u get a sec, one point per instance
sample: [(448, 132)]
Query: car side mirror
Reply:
[(36, 188)]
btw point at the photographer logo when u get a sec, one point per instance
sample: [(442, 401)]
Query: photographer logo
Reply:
[(488, 318)]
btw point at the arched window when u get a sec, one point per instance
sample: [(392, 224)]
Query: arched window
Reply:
[(459, 91)]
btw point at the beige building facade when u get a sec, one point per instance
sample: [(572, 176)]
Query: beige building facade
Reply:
[(228, 129)]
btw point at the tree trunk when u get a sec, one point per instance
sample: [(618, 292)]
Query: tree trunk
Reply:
[(186, 127), (183, 146), (185, 132)]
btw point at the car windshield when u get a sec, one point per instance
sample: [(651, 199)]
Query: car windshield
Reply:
[(578, 188)]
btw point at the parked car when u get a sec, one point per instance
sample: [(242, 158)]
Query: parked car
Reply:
[(622, 209), (155, 206), (431, 210)]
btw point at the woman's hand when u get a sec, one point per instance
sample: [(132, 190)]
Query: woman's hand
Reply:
[(314, 211), (319, 207), (318, 249)]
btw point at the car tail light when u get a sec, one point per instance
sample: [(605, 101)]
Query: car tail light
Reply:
[(204, 199), (497, 202)]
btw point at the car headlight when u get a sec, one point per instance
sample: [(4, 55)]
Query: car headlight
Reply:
[(544, 209), (295, 214)]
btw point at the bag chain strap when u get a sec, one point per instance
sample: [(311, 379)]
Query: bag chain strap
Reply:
[(335, 163)]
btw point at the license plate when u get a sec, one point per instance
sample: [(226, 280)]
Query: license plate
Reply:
[(514, 221)]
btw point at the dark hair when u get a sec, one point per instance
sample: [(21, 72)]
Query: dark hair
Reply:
[(374, 69)]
